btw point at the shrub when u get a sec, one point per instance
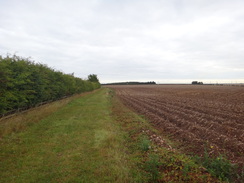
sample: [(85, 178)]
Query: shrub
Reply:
[(24, 84)]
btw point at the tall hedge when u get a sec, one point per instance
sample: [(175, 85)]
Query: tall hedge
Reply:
[(24, 84)]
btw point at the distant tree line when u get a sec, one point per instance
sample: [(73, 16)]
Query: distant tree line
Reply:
[(132, 83), (24, 84), (197, 83)]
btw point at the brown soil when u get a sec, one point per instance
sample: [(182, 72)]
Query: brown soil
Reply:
[(198, 117)]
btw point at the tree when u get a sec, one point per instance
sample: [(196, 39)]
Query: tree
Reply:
[(93, 78)]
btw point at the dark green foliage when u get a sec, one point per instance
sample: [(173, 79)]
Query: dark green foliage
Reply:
[(24, 84), (152, 165), (93, 78), (219, 167), (144, 143)]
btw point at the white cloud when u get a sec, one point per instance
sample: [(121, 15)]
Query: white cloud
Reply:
[(129, 40)]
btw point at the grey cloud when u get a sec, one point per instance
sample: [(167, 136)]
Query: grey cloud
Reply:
[(128, 40)]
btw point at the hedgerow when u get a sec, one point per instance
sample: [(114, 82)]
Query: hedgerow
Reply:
[(24, 84)]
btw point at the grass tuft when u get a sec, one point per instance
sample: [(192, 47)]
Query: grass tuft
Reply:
[(144, 143)]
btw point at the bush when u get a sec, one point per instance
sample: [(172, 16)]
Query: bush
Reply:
[(24, 84)]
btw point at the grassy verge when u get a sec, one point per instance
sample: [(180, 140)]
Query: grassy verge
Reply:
[(80, 142), (23, 120)]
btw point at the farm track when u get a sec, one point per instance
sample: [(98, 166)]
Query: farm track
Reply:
[(193, 115)]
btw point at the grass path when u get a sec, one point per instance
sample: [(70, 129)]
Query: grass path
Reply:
[(79, 143)]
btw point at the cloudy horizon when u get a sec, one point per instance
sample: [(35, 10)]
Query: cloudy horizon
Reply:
[(167, 41)]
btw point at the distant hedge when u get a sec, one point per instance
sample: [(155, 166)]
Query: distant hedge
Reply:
[(132, 83), (24, 84)]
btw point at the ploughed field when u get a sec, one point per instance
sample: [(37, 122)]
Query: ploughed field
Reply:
[(202, 118)]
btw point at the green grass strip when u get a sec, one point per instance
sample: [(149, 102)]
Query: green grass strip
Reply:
[(79, 143)]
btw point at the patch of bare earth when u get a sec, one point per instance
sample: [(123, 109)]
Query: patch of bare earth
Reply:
[(198, 117)]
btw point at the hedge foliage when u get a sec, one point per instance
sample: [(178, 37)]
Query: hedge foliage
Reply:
[(24, 84)]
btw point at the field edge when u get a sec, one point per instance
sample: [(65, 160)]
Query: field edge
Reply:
[(153, 153)]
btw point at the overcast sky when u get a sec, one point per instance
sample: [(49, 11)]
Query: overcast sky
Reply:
[(129, 40)]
